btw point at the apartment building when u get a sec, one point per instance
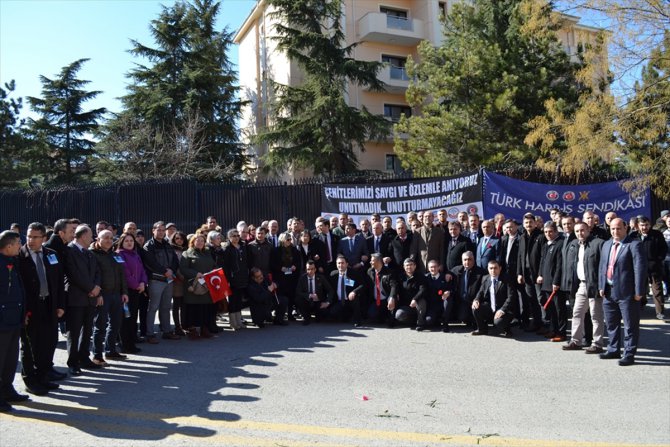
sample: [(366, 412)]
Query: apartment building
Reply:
[(387, 31)]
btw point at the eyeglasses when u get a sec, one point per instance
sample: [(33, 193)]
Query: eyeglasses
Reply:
[(234, 235)]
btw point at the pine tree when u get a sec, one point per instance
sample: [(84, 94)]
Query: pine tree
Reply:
[(14, 145), (64, 127), (499, 62), (311, 124), (188, 75)]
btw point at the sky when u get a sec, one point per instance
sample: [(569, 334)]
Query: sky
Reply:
[(39, 37)]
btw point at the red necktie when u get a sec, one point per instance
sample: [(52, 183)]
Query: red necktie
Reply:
[(610, 266), (378, 289)]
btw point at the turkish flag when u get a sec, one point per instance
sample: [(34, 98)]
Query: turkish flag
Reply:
[(217, 284)]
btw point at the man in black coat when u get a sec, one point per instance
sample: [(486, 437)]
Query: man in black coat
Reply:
[(382, 285), (466, 279), (263, 299), (43, 281), (379, 242), (439, 303), (330, 242), (655, 249), (83, 297), (400, 247), (410, 305), (567, 276), (455, 245), (313, 294), (527, 270), (348, 288), (549, 278), (495, 302)]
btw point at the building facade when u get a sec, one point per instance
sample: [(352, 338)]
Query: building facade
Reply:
[(387, 31)]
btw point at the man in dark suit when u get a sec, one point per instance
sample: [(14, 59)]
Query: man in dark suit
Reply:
[(439, 303), (83, 297), (348, 288), (428, 244), (474, 231), (455, 245), (507, 258), (263, 299), (567, 274), (410, 305), (655, 249), (527, 270), (622, 283), (495, 303), (354, 248), (387, 225), (584, 256), (330, 241), (379, 242), (549, 278), (400, 247), (488, 246), (466, 280), (43, 281), (382, 284), (313, 295)]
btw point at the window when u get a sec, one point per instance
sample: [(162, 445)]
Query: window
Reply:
[(442, 8), (396, 18), (393, 112), (397, 65), (392, 163)]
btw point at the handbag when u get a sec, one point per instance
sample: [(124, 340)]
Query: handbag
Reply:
[(196, 288)]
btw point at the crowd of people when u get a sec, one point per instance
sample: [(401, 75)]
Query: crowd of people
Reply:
[(421, 271)]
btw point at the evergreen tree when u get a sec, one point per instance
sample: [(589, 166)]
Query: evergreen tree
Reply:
[(311, 124), (188, 75), (499, 62), (64, 127), (14, 145)]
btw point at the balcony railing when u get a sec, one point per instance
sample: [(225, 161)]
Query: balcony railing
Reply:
[(402, 23), (399, 73)]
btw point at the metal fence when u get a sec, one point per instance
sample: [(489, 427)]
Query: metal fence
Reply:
[(188, 203)]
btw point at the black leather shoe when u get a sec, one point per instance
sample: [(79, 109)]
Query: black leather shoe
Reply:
[(133, 350), (115, 356), (626, 361), (610, 355), (12, 396), (75, 371), (357, 324), (54, 375), (37, 389), (478, 332), (5, 407), (50, 385), (88, 364), (420, 328), (446, 329)]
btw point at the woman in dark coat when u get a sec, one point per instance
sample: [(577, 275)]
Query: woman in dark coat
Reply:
[(286, 268), (195, 262)]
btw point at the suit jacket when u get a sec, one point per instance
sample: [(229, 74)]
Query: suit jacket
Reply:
[(505, 298), (551, 264), (384, 245), (321, 288), (31, 282), (83, 274), (569, 260), (435, 288), (474, 282), (592, 249), (409, 289), (400, 250), (655, 248), (334, 243), (630, 270), (509, 263), (315, 248), (528, 262), (357, 286), (488, 252), (453, 255), (428, 245), (355, 252), (387, 282)]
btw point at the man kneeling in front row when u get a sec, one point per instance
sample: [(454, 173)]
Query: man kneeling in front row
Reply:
[(495, 302)]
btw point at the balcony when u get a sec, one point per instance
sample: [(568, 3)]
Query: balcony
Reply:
[(395, 78), (379, 27)]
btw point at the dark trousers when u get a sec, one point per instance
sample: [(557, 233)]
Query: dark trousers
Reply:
[(531, 304), (439, 311), (9, 358), (484, 315), (561, 303), (107, 324), (37, 345), (629, 310), (381, 314), (143, 311), (309, 308), (129, 324), (261, 311), (345, 310), (79, 331), (235, 300), (551, 312), (656, 281), (177, 311), (463, 311)]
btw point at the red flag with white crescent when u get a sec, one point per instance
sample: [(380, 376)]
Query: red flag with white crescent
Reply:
[(218, 285)]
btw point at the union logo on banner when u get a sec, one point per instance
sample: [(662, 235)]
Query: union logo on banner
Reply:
[(568, 196), (452, 213), (553, 195), (472, 209), (584, 195)]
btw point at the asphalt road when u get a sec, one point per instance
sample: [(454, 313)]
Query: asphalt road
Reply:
[(330, 384)]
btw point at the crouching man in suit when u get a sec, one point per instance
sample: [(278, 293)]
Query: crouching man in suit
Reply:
[(495, 302)]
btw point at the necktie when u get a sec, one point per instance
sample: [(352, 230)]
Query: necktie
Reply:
[(376, 244), (484, 242), (610, 265), (351, 245), (330, 253), (494, 283), (311, 286), (453, 243), (41, 273), (343, 291), (378, 289), (464, 294)]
